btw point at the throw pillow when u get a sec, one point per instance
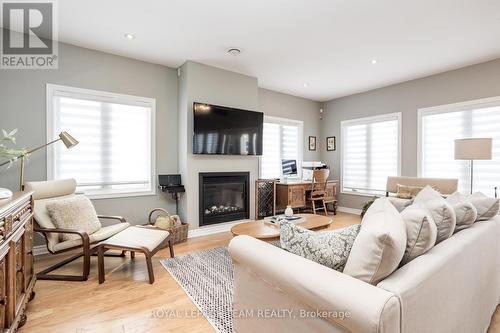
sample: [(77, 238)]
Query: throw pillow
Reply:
[(399, 203), (440, 210), (486, 207), (407, 191), (466, 215), (421, 232), (328, 248), (380, 245), (75, 213)]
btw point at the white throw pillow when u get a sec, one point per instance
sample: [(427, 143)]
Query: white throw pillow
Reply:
[(399, 203), (380, 244), (421, 232), (440, 210), (466, 215), (487, 208), (76, 213)]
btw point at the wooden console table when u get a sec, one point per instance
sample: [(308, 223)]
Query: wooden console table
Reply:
[(295, 193), (16, 260)]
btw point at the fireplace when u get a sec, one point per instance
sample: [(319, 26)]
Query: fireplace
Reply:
[(224, 196)]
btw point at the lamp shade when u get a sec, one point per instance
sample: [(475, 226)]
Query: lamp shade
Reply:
[(68, 140), (473, 149)]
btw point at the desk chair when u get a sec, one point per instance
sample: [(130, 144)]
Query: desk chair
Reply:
[(318, 189)]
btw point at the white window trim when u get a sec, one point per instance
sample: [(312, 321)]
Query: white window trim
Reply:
[(446, 108), (300, 124), (366, 120), (107, 97)]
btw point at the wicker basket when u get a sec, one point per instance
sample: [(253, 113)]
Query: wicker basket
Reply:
[(179, 232)]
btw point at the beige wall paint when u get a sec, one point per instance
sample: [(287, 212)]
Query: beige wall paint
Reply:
[(473, 82), (22, 106)]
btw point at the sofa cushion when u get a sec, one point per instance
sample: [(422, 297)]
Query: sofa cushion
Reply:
[(486, 207), (102, 234), (380, 244), (440, 210), (421, 232), (328, 248), (76, 213)]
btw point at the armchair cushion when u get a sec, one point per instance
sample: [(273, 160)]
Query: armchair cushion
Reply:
[(102, 234), (76, 213)]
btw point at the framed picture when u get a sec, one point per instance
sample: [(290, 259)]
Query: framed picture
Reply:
[(312, 143), (331, 145)]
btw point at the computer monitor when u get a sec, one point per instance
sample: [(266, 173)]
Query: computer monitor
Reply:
[(289, 167)]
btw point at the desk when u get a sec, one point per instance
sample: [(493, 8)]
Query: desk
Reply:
[(295, 193)]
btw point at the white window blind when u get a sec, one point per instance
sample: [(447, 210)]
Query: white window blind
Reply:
[(440, 126), (370, 153), (282, 139), (115, 154)]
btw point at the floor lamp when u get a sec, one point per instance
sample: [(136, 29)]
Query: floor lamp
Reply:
[(68, 141), (473, 149)]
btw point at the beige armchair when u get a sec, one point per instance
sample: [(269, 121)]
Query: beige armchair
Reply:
[(46, 191)]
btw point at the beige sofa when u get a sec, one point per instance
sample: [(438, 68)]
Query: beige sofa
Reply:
[(455, 287)]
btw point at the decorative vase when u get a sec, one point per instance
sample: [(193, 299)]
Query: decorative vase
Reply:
[(288, 211)]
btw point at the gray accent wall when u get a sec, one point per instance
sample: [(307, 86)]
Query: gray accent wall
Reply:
[(23, 106), (468, 83), (276, 104)]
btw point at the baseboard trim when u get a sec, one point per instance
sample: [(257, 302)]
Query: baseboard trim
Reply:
[(349, 210)]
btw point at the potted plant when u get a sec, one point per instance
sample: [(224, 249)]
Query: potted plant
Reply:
[(367, 205), (6, 152), (9, 153)]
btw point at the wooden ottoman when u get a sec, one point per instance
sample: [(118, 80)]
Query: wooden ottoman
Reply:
[(147, 240)]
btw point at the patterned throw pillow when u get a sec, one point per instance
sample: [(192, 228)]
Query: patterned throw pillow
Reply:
[(407, 191), (328, 248)]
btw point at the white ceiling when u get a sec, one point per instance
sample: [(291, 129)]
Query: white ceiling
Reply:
[(328, 44)]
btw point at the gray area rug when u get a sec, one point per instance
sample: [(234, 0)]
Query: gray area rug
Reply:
[(207, 278)]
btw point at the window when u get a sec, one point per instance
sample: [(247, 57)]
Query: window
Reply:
[(370, 153), (282, 140), (115, 154), (438, 129)]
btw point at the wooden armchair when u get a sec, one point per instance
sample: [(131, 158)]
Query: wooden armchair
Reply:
[(47, 191)]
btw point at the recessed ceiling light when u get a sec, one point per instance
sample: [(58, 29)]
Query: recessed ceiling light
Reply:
[(305, 85), (129, 36), (234, 51), (374, 61)]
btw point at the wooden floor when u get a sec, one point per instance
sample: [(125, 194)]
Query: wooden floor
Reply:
[(126, 302)]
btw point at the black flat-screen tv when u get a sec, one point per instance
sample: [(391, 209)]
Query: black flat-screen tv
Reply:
[(219, 130)]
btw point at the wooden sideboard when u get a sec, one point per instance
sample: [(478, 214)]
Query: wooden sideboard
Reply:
[(17, 277), (295, 194)]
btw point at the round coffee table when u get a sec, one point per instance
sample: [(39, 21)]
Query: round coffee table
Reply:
[(265, 231)]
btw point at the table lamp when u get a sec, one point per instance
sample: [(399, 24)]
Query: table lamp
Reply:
[(65, 137), (473, 149)]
